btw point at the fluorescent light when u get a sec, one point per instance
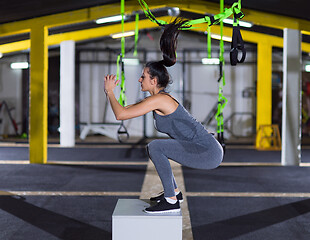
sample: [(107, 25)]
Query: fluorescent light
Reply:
[(174, 11), (116, 18), (125, 34), (307, 68), (131, 61), (210, 61), (19, 65), (218, 37), (241, 23)]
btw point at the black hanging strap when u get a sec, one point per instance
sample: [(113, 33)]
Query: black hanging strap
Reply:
[(122, 133), (237, 45)]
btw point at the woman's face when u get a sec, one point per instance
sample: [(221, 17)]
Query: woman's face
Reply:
[(146, 81)]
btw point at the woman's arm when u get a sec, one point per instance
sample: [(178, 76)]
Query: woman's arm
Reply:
[(132, 111)]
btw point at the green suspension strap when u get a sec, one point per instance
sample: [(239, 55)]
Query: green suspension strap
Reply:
[(149, 14), (209, 41), (135, 53), (122, 97), (121, 74), (117, 66), (222, 100), (235, 8)]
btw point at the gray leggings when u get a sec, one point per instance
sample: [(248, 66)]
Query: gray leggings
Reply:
[(189, 154)]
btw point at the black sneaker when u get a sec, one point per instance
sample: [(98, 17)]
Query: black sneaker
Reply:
[(164, 207), (161, 196)]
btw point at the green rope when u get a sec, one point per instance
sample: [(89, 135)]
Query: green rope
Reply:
[(236, 20), (235, 9), (135, 53), (120, 73), (117, 67), (221, 41), (123, 19), (209, 41), (149, 14), (225, 13), (122, 97), (222, 100)]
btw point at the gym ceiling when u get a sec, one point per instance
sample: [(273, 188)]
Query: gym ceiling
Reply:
[(74, 19)]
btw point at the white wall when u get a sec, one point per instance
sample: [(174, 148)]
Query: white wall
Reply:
[(200, 79)]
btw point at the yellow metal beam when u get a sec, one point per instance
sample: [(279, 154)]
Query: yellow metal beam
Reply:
[(256, 17), (15, 46), (38, 95), (67, 18), (305, 47), (264, 86), (196, 6), (81, 35), (249, 36), (101, 31), (112, 9)]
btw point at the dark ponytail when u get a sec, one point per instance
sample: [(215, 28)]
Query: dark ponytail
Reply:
[(168, 45), (168, 41)]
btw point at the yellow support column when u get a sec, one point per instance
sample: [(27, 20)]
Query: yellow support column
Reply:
[(264, 86), (38, 95)]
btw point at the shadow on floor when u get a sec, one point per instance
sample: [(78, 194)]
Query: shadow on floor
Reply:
[(56, 224), (251, 222)]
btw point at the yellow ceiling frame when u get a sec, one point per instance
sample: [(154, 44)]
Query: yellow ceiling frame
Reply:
[(91, 14), (93, 33), (80, 35), (196, 6), (256, 17), (67, 18)]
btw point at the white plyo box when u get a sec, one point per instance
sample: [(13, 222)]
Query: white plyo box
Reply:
[(130, 222)]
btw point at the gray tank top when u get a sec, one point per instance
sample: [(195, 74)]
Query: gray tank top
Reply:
[(181, 125)]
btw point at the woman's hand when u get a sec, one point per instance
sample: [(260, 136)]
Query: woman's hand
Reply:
[(110, 83)]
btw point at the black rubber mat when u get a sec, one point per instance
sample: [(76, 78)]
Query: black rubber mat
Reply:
[(14, 153), (137, 154), (35, 177), (49, 218), (248, 179), (251, 155), (98, 154), (249, 218), (78, 154)]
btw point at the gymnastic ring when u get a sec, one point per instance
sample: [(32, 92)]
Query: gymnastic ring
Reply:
[(122, 131)]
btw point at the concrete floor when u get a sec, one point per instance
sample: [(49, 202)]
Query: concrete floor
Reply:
[(73, 196)]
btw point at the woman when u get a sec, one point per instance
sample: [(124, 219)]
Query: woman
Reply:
[(190, 145)]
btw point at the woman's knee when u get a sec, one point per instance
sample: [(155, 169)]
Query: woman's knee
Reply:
[(217, 158), (153, 148)]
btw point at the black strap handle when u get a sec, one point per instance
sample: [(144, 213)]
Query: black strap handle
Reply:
[(237, 45), (122, 131), (220, 138)]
